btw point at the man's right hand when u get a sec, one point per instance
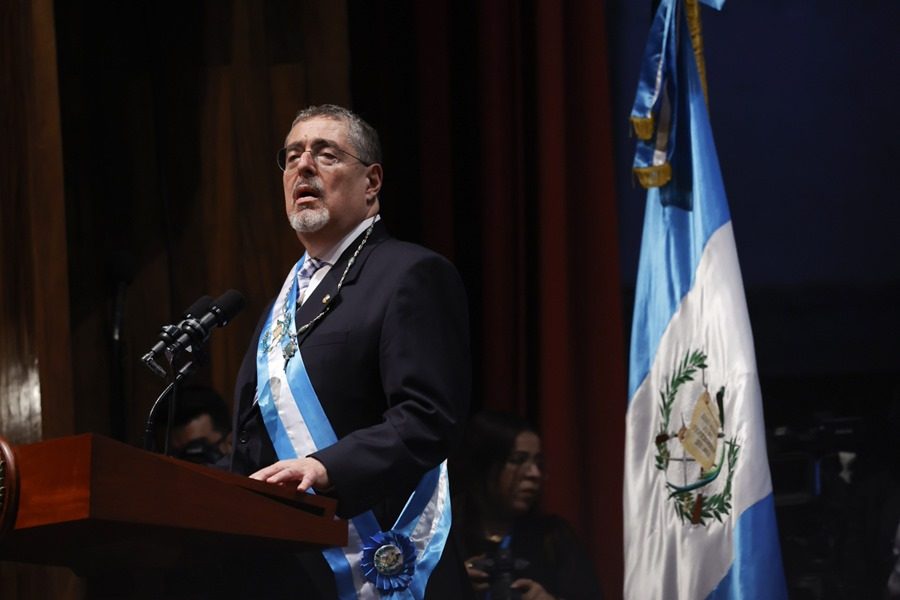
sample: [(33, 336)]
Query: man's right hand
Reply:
[(307, 472)]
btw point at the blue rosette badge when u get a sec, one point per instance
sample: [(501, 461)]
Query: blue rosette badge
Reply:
[(389, 561)]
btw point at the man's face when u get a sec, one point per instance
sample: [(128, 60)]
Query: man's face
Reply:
[(326, 201), (199, 428)]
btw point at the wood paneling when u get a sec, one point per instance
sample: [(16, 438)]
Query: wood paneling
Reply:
[(170, 135), (35, 368), (35, 356)]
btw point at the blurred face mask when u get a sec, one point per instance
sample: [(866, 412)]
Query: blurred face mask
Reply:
[(201, 451)]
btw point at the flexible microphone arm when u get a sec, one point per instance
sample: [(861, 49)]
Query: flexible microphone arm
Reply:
[(150, 426)]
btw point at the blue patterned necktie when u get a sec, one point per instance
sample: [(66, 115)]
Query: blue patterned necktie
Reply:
[(309, 268)]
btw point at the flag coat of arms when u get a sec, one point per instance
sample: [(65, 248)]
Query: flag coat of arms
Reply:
[(698, 505)]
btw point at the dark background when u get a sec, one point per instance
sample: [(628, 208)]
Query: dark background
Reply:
[(801, 95), (802, 98)]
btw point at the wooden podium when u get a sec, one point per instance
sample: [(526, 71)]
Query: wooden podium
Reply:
[(96, 505)]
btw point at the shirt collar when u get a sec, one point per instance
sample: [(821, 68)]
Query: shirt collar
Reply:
[(332, 255)]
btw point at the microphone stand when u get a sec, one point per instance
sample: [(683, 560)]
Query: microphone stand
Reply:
[(189, 336), (171, 392)]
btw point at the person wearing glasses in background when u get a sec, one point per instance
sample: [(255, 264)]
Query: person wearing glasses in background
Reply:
[(201, 429), (515, 551), (356, 382)]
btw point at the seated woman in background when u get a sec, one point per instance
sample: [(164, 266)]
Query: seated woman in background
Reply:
[(515, 551)]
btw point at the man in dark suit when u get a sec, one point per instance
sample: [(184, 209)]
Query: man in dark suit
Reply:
[(357, 380)]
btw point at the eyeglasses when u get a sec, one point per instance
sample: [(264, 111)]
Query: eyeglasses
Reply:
[(518, 460), (324, 155)]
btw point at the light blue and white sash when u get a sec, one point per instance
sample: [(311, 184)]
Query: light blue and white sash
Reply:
[(395, 564)]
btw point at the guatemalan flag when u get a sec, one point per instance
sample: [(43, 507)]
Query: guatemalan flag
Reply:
[(699, 513)]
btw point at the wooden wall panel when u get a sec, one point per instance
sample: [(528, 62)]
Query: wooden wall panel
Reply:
[(48, 227), (35, 372), (19, 384), (170, 135), (35, 357), (35, 368)]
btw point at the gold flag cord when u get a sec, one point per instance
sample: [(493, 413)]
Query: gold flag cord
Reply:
[(692, 8), (644, 127)]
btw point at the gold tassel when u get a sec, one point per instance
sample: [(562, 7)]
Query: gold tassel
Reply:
[(692, 8), (643, 127), (655, 176)]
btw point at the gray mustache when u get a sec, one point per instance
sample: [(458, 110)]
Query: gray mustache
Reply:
[(313, 185)]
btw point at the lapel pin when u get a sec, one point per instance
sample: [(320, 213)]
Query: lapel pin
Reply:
[(326, 299)]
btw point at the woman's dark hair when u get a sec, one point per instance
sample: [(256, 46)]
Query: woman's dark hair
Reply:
[(489, 441), (490, 437)]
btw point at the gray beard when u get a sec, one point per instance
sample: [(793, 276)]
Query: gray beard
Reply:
[(310, 220)]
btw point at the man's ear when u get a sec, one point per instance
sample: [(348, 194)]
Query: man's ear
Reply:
[(374, 175)]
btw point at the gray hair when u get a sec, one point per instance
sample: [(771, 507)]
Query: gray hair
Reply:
[(362, 135)]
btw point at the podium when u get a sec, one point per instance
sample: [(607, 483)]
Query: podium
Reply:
[(96, 505)]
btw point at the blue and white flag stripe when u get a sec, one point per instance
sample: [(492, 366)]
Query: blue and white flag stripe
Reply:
[(689, 297)]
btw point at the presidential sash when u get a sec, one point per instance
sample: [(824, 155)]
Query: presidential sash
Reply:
[(375, 564)]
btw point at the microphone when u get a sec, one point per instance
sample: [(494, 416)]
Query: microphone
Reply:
[(194, 329), (199, 321), (200, 306), (194, 332), (169, 333)]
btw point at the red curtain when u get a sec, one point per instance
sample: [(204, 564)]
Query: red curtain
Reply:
[(516, 161)]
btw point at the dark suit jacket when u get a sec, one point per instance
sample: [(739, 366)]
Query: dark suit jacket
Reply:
[(390, 364)]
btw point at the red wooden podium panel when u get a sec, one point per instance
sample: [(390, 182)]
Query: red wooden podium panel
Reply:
[(94, 504)]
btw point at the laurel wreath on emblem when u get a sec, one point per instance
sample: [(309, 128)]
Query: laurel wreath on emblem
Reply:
[(689, 501)]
